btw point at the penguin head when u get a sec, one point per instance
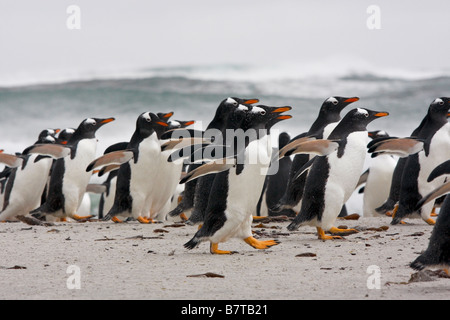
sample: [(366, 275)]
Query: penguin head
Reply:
[(378, 134), (165, 116), (439, 108), (178, 124), (225, 108), (283, 139), (88, 127), (359, 118), (47, 136), (264, 117), (334, 105), (65, 135), (148, 123)]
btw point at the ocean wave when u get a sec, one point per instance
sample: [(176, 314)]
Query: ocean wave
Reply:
[(334, 68)]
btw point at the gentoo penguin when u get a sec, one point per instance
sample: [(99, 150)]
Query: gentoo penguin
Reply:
[(326, 121), (135, 177), (69, 178), (435, 134), (394, 193), (379, 179), (194, 189), (25, 184), (438, 252), (332, 179), (237, 185), (168, 176)]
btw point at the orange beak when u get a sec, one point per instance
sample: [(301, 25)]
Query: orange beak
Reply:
[(281, 109), (162, 123), (284, 117), (381, 114), (188, 123), (108, 120), (168, 115), (251, 101), (350, 100)]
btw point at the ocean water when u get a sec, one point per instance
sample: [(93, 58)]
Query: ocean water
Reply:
[(194, 92)]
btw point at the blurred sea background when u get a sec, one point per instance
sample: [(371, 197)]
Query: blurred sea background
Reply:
[(129, 58)]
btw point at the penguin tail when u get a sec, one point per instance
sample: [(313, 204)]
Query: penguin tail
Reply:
[(387, 206), (194, 242), (38, 213), (417, 264), (280, 206), (177, 211)]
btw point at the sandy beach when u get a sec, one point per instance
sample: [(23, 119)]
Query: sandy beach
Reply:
[(103, 260)]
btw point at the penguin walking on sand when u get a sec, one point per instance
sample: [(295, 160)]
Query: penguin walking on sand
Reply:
[(326, 121), (195, 196), (434, 137), (437, 254), (69, 178), (332, 179), (379, 178), (170, 173), (238, 183), (26, 183), (137, 171)]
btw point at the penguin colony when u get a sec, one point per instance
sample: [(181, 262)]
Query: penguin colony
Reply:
[(224, 177)]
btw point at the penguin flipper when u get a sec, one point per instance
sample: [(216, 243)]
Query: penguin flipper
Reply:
[(293, 144), (401, 147), (185, 152), (107, 169), (115, 157), (208, 168), (318, 147), (182, 142), (213, 152), (55, 151), (436, 193), (363, 178), (443, 168), (10, 160)]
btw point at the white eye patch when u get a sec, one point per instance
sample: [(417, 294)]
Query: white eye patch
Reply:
[(333, 100), (258, 110), (146, 116), (91, 121), (231, 101), (438, 100), (362, 111), (242, 108)]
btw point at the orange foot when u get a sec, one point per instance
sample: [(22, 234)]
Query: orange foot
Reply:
[(145, 220), (214, 249), (77, 217), (349, 231), (116, 220), (257, 244), (323, 236)]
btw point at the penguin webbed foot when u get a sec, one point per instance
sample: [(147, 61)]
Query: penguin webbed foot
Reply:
[(337, 231), (81, 218), (322, 236), (258, 244), (214, 249)]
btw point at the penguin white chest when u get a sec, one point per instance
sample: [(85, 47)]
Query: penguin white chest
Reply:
[(346, 168), (76, 178)]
